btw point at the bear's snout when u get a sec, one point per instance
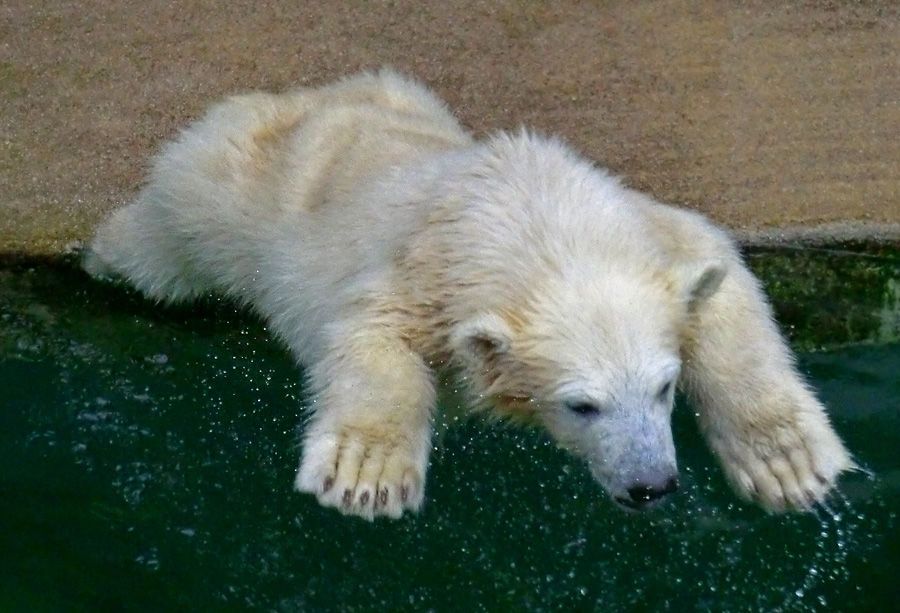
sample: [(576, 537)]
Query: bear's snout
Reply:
[(644, 495)]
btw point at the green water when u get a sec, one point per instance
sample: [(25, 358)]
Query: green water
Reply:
[(146, 458)]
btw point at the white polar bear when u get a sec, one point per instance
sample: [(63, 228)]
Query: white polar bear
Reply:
[(378, 239)]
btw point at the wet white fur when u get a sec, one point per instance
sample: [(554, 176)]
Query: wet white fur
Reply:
[(378, 240)]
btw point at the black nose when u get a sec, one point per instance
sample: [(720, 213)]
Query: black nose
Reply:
[(644, 494)]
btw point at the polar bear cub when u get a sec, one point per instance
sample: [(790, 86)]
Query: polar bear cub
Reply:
[(379, 240)]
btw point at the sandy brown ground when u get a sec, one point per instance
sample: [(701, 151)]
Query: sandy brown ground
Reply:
[(769, 116)]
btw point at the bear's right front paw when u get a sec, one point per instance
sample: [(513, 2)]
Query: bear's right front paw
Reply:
[(361, 474)]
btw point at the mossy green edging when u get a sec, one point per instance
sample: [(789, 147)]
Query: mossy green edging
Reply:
[(823, 297)]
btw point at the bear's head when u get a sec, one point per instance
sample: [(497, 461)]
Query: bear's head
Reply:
[(594, 356)]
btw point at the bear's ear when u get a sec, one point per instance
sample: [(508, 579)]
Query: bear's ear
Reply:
[(701, 280), (482, 336)]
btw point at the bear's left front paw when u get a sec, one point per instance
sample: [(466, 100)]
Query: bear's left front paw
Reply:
[(362, 474), (789, 466)]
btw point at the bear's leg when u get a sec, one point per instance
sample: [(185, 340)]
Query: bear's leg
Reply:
[(365, 450), (138, 243), (769, 431)]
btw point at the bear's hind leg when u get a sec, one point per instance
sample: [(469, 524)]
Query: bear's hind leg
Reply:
[(365, 450), (137, 244)]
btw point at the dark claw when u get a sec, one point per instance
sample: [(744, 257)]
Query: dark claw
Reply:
[(348, 496), (404, 493), (811, 499), (364, 498), (329, 483), (383, 496), (754, 493)]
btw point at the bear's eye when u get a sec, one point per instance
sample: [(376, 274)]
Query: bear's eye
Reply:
[(582, 407), (663, 393)]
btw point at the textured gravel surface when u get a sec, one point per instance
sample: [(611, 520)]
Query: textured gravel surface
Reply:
[(777, 119)]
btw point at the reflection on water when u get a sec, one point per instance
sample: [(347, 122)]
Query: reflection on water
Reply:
[(148, 457)]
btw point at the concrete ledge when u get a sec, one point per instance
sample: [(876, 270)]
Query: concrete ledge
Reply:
[(837, 232)]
